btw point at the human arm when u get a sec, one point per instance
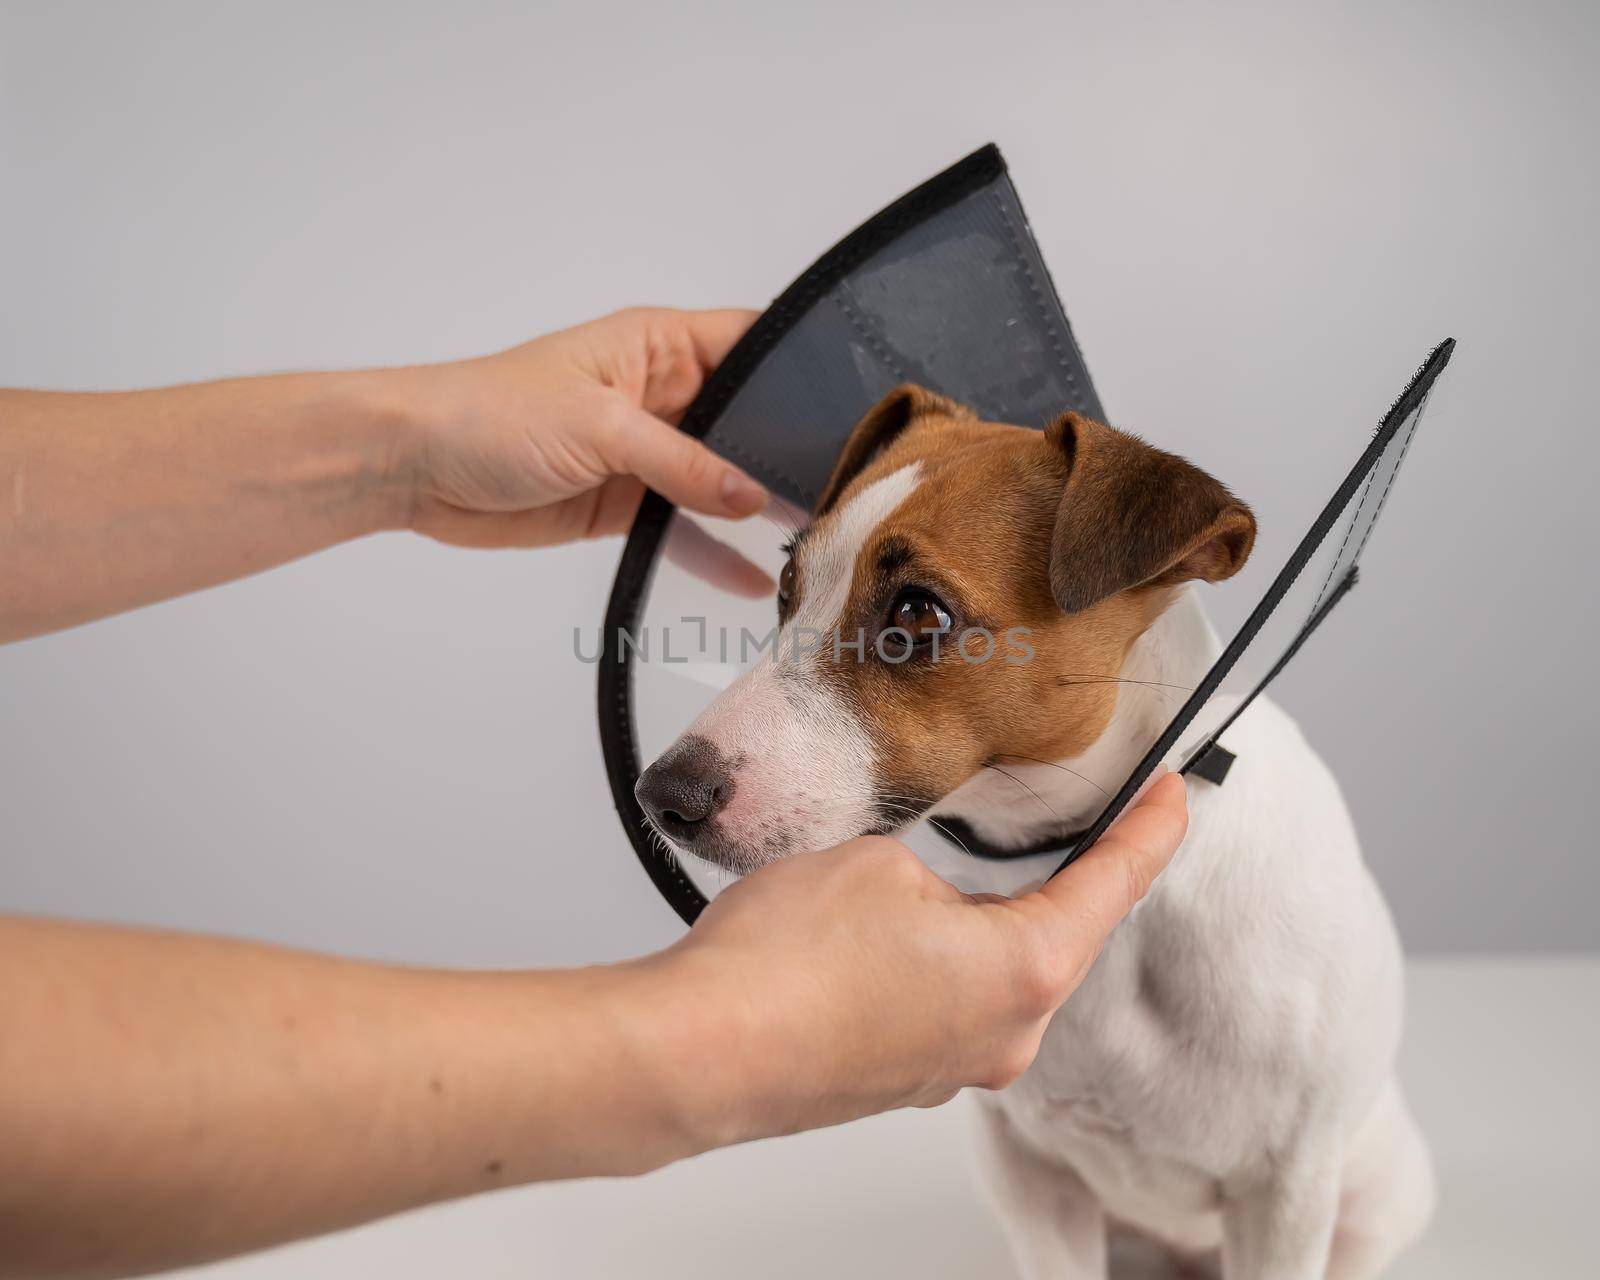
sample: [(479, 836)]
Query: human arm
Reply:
[(113, 500), (166, 1098)]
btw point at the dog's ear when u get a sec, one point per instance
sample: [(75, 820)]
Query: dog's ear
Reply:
[(1132, 515), (883, 422)]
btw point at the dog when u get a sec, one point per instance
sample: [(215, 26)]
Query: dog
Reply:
[(1222, 1084)]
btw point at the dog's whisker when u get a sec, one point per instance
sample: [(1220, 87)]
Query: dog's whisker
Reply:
[(901, 817), (1090, 677), (898, 807), (1158, 687), (1006, 774), (950, 835), (805, 497), (908, 809), (871, 796), (788, 531), (721, 877), (1055, 764), (1102, 675), (657, 839)]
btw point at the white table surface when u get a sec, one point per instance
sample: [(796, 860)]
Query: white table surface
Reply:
[(1499, 1060)]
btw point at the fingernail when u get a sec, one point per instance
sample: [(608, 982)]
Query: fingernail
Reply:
[(741, 494)]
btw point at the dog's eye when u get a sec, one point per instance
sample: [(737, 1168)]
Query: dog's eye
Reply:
[(915, 618), (786, 586)]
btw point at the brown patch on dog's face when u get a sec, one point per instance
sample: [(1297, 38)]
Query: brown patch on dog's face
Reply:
[(1048, 553), (975, 537)]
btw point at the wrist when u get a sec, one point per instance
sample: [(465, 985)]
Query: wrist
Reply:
[(722, 1073), (604, 1071), (386, 411), (671, 1035)]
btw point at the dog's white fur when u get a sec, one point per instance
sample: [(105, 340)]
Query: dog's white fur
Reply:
[(805, 773), (1222, 1082)]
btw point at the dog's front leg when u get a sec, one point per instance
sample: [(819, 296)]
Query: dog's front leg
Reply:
[(1280, 1226), (1053, 1222)]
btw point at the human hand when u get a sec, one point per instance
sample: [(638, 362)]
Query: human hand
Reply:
[(838, 984), (155, 493), (556, 439)]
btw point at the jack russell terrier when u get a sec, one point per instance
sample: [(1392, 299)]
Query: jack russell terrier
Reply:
[(1222, 1084)]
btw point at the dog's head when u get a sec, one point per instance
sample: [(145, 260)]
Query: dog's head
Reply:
[(965, 593)]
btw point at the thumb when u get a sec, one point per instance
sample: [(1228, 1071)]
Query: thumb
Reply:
[(1102, 886), (683, 470)]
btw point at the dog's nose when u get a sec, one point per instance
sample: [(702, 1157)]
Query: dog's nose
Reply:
[(683, 790)]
